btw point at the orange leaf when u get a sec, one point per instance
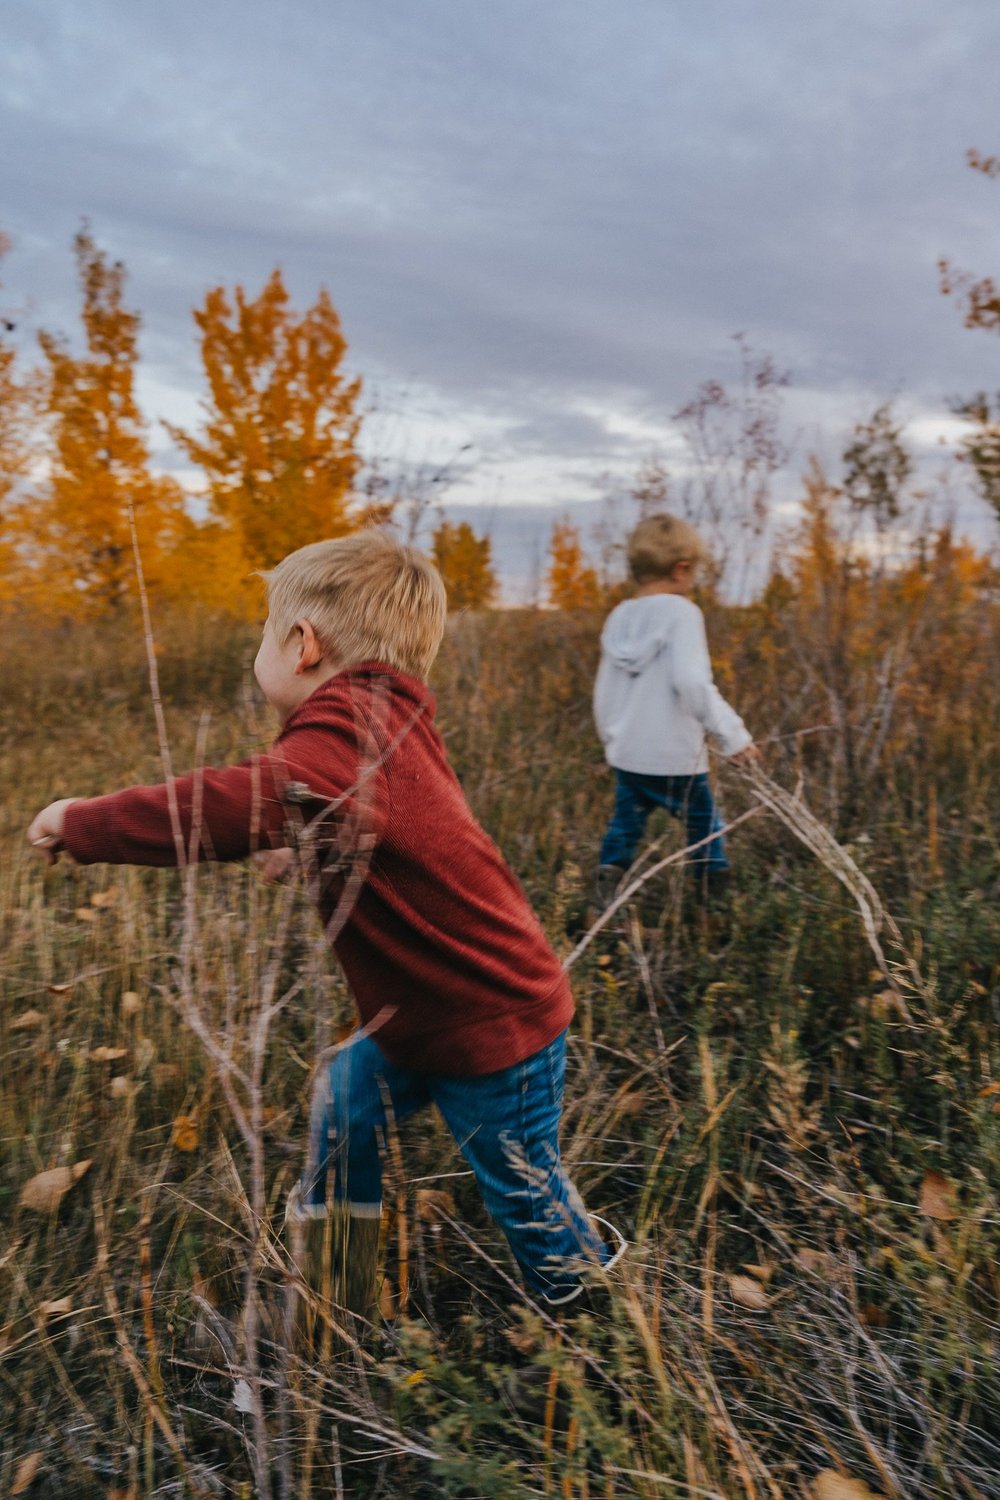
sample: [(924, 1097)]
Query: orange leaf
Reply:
[(937, 1197), (831, 1485), (59, 1307), (818, 1262), (105, 898), (85, 914), (107, 1054), (25, 1473), (26, 1020), (749, 1293), (60, 989), (185, 1134), (45, 1191)]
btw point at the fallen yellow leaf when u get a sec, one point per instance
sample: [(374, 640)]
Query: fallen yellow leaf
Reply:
[(107, 1054), (105, 898), (27, 1020), (131, 1003), (120, 1087), (761, 1273), (937, 1197), (749, 1293), (817, 1262), (185, 1134), (59, 1307), (60, 989), (831, 1485), (25, 1473), (46, 1191), (85, 914)]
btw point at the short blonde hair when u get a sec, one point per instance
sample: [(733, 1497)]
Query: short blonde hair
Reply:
[(367, 596), (659, 543)]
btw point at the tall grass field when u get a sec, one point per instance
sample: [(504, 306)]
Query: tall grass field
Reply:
[(789, 1103)]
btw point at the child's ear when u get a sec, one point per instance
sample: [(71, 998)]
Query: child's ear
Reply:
[(310, 650)]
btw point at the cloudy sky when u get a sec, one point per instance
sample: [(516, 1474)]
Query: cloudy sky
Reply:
[(540, 220)]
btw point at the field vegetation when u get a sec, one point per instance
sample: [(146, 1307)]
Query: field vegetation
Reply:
[(790, 1103), (801, 1144)]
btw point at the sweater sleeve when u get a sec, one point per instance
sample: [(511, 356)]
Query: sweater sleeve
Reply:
[(696, 688), (224, 814)]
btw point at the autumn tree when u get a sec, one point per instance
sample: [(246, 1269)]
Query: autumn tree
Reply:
[(278, 441), (465, 562), (980, 299), (80, 540), (572, 581)]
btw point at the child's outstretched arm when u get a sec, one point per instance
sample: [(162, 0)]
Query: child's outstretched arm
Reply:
[(219, 814)]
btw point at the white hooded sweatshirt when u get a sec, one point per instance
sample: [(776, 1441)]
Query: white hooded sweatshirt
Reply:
[(654, 698)]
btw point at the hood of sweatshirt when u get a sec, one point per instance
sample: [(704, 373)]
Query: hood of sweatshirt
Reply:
[(638, 629)]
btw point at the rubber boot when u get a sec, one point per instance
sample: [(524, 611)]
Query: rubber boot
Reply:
[(336, 1255)]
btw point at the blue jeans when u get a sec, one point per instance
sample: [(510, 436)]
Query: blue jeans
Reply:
[(687, 797), (506, 1125)]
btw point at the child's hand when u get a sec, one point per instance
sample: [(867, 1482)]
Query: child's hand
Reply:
[(746, 756), (46, 831), (275, 865)]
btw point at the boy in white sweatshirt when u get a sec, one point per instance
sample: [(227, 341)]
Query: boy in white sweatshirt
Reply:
[(654, 702)]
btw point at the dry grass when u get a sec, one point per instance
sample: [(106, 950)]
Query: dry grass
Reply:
[(758, 1101)]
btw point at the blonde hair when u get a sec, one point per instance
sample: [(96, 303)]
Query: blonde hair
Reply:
[(367, 597), (659, 543)]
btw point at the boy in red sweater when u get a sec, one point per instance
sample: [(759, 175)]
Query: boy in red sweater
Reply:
[(462, 1001)]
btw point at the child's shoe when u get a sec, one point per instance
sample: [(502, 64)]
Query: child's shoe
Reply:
[(537, 1393), (607, 879)]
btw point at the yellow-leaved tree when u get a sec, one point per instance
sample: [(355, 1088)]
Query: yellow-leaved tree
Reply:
[(573, 583), (465, 562), (278, 440), (74, 533)]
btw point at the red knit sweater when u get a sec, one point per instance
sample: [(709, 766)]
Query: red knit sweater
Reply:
[(446, 960)]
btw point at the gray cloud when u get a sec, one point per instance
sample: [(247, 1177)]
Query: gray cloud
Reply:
[(528, 210)]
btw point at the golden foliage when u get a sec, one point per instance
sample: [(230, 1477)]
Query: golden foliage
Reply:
[(465, 563), (45, 1191), (572, 582), (278, 443), (75, 535)]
